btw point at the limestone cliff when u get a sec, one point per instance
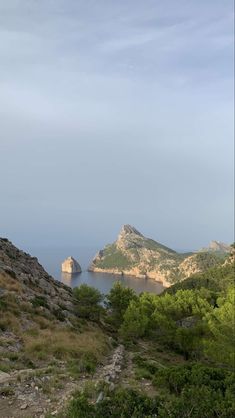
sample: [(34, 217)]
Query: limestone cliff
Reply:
[(135, 255), (70, 265)]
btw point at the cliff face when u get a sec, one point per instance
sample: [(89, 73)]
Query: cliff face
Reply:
[(70, 265), (33, 280), (135, 255)]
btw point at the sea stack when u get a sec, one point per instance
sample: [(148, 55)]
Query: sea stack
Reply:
[(70, 265)]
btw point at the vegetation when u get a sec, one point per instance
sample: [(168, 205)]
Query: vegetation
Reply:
[(88, 301), (207, 393), (117, 302), (47, 338), (114, 259), (194, 320), (221, 324), (119, 404), (180, 345), (206, 259), (216, 280)]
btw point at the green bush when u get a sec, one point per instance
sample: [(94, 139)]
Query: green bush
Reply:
[(57, 312), (176, 378), (122, 403), (38, 301), (197, 402)]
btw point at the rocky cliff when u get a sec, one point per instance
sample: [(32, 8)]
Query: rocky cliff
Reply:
[(34, 282), (135, 255), (70, 265)]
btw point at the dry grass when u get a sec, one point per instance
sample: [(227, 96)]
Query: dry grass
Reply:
[(43, 340), (65, 344), (9, 321), (43, 322), (10, 284)]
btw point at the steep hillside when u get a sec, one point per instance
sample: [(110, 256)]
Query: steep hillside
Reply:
[(45, 347), (33, 280), (135, 255)]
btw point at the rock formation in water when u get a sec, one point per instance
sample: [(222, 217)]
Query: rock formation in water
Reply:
[(70, 265), (135, 255)]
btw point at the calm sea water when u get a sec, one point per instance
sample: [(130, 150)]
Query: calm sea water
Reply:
[(51, 259)]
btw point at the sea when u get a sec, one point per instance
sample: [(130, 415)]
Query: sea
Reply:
[(51, 259)]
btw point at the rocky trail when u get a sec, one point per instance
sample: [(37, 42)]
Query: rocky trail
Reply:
[(128, 377), (35, 393)]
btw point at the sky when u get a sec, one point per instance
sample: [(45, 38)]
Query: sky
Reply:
[(116, 112)]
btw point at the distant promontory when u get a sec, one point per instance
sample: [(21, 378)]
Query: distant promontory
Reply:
[(135, 255)]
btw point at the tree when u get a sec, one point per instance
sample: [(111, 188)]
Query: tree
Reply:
[(118, 301), (221, 323), (135, 321), (89, 301)]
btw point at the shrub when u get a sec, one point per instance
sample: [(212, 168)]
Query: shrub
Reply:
[(197, 402), (176, 378), (122, 403), (39, 301)]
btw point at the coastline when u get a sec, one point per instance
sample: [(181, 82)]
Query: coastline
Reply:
[(124, 273)]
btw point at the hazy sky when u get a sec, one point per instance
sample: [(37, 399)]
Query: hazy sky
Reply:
[(113, 112)]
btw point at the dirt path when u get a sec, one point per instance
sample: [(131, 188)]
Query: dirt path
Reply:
[(35, 393)]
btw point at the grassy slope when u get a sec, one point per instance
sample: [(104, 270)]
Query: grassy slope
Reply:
[(113, 258), (33, 336)]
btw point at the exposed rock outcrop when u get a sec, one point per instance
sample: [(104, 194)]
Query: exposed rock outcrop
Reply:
[(135, 255), (33, 280), (70, 265)]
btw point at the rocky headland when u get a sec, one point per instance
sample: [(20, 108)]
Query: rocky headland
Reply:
[(135, 255)]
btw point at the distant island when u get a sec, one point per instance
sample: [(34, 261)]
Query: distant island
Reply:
[(135, 255)]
